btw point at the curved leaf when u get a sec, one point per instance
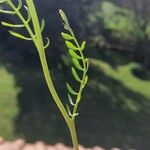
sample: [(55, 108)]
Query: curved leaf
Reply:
[(77, 64), (25, 7), (71, 46), (19, 4), (70, 100), (74, 55), (42, 25), (71, 90), (18, 35), (75, 114), (7, 12), (83, 46), (76, 76), (12, 25), (29, 16), (68, 110), (66, 36), (2, 1), (47, 44)]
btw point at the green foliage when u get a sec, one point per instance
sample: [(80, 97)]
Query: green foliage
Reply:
[(124, 23), (79, 61), (124, 74), (101, 100), (16, 10), (75, 51), (8, 103), (119, 20)]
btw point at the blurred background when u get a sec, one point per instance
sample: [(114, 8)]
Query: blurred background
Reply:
[(115, 109)]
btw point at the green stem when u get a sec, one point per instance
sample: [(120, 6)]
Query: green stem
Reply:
[(40, 46), (69, 121), (38, 41), (73, 133), (37, 29), (52, 88)]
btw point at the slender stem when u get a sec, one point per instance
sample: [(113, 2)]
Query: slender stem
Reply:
[(70, 122), (37, 29), (40, 47), (73, 133), (38, 41), (52, 88)]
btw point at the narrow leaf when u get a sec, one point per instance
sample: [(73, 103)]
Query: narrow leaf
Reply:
[(86, 79), (87, 64), (7, 12), (68, 110), (12, 25), (83, 46), (19, 35), (71, 46), (42, 25), (75, 114), (70, 100), (19, 4), (25, 7), (71, 90), (77, 64), (47, 44), (66, 36), (76, 76), (74, 55), (2, 1), (29, 16), (63, 16)]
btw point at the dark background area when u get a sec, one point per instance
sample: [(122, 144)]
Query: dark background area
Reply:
[(115, 110)]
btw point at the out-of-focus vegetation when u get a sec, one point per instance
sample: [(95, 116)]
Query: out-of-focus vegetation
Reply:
[(8, 103), (116, 106), (125, 74)]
